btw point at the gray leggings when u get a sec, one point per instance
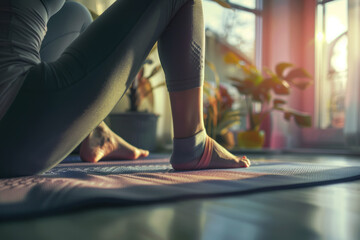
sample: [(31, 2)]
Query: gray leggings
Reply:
[(62, 101)]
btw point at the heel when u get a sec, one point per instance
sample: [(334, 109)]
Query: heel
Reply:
[(204, 161)]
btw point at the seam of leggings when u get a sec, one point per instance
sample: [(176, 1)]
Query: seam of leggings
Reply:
[(77, 55), (184, 84), (60, 36)]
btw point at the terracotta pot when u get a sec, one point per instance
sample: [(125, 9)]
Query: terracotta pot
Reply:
[(251, 139)]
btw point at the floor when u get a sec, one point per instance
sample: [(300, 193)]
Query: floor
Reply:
[(326, 212)]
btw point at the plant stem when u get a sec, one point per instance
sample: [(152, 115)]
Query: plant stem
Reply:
[(133, 98), (249, 106)]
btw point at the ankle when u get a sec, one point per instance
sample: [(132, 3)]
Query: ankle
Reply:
[(187, 132), (188, 149)]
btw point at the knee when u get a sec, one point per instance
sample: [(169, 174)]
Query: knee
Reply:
[(171, 6), (79, 13)]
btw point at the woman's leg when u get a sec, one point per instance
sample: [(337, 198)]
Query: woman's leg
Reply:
[(191, 144), (63, 28), (193, 149), (103, 143)]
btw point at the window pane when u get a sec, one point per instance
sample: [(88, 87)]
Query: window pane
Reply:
[(245, 3), (332, 63), (235, 27)]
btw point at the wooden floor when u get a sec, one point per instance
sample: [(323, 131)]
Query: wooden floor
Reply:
[(325, 212)]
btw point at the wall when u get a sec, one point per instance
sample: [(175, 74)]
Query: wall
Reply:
[(288, 36)]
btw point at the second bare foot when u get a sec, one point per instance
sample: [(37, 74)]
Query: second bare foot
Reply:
[(102, 143)]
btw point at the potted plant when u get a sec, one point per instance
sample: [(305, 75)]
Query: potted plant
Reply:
[(265, 90), (138, 125), (219, 116)]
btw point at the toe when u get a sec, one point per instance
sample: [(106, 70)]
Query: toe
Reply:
[(137, 153), (244, 162), (88, 158), (144, 153)]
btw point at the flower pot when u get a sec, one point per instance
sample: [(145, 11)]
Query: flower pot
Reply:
[(137, 128), (251, 139)]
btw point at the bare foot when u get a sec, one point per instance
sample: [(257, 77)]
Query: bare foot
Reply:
[(222, 158), (214, 156), (102, 143)]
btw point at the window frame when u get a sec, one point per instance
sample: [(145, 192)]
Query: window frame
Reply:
[(257, 11), (322, 137)]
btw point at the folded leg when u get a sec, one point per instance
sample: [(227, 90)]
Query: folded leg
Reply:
[(61, 102)]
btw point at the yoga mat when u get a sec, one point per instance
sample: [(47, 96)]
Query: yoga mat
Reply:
[(73, 185)]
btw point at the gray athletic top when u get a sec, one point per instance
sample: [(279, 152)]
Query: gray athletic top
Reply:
[(22, 29)]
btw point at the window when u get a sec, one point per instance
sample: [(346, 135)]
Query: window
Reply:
[(331, 63), (238, 27)]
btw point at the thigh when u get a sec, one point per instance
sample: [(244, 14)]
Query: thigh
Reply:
[(44, 124)]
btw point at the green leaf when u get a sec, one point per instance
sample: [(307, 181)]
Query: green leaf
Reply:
[(303, 120), (278, 102), (231, 58), (281, 87), (266, 84), (236, 79), (230, 113), (225, 125), (287, 115), (297, 73), (245, 87), (157, 86), (259, 117), (281, 109), (207, 92), (261, 95), (301, 84), (229, 118), (154, 71), (268, 71), (256, 78), (280, 68), (144, 90), (140, 74), (213, 68)]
